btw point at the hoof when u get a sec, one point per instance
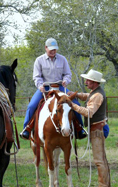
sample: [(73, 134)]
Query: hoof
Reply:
[(39, 184), (56, 184)]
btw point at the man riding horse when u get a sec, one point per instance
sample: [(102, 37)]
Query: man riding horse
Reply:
[(49, 67)]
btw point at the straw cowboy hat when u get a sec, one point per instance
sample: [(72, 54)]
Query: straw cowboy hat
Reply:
[(93, 75)]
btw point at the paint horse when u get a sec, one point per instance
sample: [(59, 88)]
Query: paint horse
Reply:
[(54, 132), (8, 82)]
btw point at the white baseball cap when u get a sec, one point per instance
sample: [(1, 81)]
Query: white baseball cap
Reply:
[(93, 75), (51, 43)]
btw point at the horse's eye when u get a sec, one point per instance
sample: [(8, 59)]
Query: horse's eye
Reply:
[(58, 111)]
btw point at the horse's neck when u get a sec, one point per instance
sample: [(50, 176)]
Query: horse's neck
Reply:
[(53, 105)]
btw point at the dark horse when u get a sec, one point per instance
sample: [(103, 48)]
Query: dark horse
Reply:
[(8, 79)]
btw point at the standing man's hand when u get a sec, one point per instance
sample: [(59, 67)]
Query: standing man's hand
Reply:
[(42, 89), (70, 93), (64, 84)]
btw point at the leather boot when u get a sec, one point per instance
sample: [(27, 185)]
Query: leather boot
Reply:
[(25, 134)]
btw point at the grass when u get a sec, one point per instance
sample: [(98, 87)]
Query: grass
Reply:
[(26, 168)]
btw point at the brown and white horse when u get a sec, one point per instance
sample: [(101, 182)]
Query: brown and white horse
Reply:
[(54, 132)]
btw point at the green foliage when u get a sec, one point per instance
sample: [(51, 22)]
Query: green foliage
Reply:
[(111, 90), (24, 71), (84, 29)]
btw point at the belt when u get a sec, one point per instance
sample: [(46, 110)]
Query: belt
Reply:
[(96, 126)]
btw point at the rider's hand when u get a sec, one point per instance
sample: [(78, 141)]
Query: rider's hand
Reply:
[(42, 89), (70, 93), (64, 84)]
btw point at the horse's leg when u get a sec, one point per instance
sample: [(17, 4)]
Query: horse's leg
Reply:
[(56, 166), (67, 157), (4, 162), (49, 154), (38, 181)]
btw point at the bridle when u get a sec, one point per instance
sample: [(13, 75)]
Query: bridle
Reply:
[(58, 126)]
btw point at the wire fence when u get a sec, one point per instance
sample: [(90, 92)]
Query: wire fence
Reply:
[(111, 108)]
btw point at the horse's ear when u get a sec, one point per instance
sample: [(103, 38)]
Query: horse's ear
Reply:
[(56, 95), (73, 96), (14, 65)]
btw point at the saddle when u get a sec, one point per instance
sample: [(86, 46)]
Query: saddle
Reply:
[(7, 113)]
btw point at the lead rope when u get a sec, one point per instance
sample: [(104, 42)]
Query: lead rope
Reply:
[(88, 148), (16, 168)]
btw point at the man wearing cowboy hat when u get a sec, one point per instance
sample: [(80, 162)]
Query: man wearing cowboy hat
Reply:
[(96, 105)]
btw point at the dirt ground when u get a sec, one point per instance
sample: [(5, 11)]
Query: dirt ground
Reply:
[(20, 161)]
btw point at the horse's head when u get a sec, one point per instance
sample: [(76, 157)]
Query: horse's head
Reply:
[(9, 80), (64, 113)]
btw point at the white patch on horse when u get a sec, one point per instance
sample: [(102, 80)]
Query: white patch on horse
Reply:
[(54, 108), (65, 121), (44, 114)]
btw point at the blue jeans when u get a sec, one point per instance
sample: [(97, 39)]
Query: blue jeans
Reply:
[(35, 101)]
